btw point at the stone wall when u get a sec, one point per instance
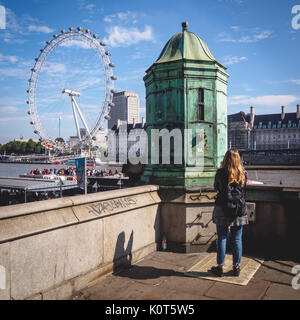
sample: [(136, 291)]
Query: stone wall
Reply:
[(51, 248)]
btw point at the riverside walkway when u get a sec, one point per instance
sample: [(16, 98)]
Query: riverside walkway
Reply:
[(162, 276)]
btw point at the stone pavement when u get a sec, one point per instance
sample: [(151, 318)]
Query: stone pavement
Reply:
[(160, 276)]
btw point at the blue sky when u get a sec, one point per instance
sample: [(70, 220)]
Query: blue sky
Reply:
[(253, 38)]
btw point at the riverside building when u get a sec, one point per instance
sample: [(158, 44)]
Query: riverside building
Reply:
[(264, 132)]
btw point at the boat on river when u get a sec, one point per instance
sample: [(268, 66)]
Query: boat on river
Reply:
[(50, 177)]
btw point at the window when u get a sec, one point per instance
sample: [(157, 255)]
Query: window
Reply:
[(269, 125), (201, 104), (279, 124), (260, 125), (290, 124)]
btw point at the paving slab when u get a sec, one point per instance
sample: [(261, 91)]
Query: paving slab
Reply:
[(276, 271), (255, 290), (281, 292), (179, 261), (188, 286), (110, 288), (149, 272), (248, 268)]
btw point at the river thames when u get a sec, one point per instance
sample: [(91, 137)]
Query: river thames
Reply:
[(272, 177)]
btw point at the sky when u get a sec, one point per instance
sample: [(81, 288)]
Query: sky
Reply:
[(257, 40)]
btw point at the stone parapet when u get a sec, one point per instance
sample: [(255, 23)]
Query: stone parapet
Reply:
[(49, 248)]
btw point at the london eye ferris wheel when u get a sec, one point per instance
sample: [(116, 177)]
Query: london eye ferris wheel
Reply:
[(72, 80)]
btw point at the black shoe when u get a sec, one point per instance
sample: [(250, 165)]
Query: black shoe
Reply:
[(236, 271), (218, 271)]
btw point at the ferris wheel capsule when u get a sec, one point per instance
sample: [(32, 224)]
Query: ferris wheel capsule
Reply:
[(113, 78), (71, 29), (102, 43), (80, 29)]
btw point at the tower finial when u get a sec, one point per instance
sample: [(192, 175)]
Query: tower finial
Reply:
[(185, 25)]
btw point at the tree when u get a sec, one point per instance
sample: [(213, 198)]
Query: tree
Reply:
[(23, 148), (30, 145), (60, 140)]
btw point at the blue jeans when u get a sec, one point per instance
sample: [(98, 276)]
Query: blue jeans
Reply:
[(236, 240)]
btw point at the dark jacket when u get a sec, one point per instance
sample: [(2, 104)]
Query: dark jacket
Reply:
[(221, 186)]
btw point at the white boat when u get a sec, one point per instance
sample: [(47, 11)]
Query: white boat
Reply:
[(254, 182)]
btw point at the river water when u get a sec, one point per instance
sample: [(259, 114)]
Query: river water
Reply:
[(272, 177), (15, 169)]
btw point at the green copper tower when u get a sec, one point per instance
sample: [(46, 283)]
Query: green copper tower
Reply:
[(186, 88)]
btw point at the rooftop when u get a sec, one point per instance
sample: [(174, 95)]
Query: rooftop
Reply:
[(185, 45)]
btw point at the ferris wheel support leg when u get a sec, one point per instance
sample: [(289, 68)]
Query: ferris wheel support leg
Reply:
[(82, 118), (75, 117)]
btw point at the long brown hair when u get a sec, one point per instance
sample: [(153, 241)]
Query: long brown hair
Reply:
[(232, 162)]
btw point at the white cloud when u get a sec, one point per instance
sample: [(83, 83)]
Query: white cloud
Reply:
[(85, 5), (11, 59), (54, 68), (120, 36), (235, 28), (128, 16), (251, 37), (267, 101), (76, 44), (41, 29), (8, 110), (235, 1), (296, 81), (230, 60), (19, 73)]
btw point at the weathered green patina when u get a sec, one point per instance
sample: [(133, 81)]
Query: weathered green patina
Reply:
[(186, 88)]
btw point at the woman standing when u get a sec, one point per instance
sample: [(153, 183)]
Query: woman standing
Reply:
[(230, 212)]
